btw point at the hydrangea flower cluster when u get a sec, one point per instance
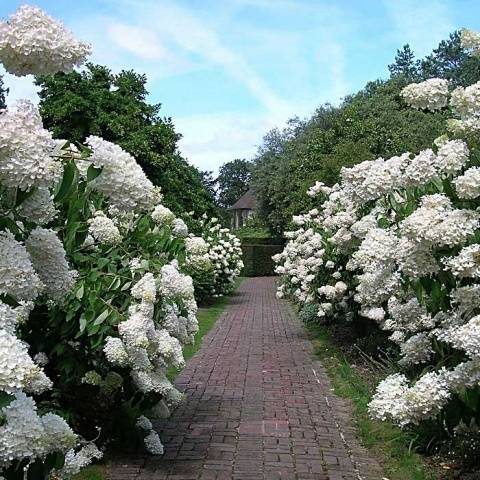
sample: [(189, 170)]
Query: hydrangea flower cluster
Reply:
[(103, 229), (25, 149), (31, 42), (431, 94), (220, 252), (148, 347), (396, 241), (122, 181)]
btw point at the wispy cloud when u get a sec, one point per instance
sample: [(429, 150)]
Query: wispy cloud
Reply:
[(422, 24), (177, 24)]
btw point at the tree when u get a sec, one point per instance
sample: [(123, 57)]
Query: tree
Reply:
[(210, 182), (233, 181), (404, 64), (3, 94), (449, 60), (113, 106)]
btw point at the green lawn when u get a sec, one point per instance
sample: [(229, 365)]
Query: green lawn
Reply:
[(207, 316), (93, 472), (388, 443)]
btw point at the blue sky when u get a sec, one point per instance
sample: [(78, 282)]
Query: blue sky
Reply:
[(228, 71)]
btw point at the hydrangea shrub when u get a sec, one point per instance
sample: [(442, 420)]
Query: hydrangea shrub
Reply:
[(95, 303), (214, 259), (397, 241)]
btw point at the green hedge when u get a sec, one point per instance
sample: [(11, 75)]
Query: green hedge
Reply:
[(257, 256)]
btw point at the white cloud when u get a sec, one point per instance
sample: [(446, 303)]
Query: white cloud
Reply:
[(211, 140), (332, 61), (20, 88), (138, 41), (173, 23), (422, 24)]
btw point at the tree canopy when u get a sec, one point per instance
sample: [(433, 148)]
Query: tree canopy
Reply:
[(233, 181), (114, 106)]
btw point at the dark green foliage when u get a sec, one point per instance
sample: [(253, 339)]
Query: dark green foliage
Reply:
[(257, 256), (405, 64), (233, 180), (114, 107), (3, 94), (372, 123)]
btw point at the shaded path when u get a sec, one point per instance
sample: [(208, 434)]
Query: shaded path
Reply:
[(258, 405)]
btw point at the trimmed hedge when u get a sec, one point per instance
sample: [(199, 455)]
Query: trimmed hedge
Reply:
[(257, 256)]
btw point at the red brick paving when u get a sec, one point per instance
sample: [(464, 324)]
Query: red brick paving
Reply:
[(258, 405)]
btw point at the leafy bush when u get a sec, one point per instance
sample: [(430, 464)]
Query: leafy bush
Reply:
[(214, 259), (396, 242), (308, 313), (94, 304)]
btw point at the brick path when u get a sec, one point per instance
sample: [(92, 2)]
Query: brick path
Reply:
[(258, 405)]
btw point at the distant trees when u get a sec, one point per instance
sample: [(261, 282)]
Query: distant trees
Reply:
[(114, 106), (233, 181)]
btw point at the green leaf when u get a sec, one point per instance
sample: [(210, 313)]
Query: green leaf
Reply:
[(83, 323), (8, 224), (93, 172), (6, 399), (69, 173), (22, 195), (102, 317), (79, 293)]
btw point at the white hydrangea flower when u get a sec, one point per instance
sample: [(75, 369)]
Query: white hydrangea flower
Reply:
[(103, 230), (24, 434), (175, 284), (17, 370), (144, 423), (17, 275), (437, 222), (41, 359), (179, 228), (145, 289), (466, 101), (162, 215), (122, 179), (25, 148), (470, 39), (31, 42), (464, 375), (466, 299), (432, 94), (394, 400), (417, 349), (115, 351), (452, 156), (48, 257), (153, 444), (38, 207), (76, 461), (464, 337), (466, 263), (196, 246), (468, 184)]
